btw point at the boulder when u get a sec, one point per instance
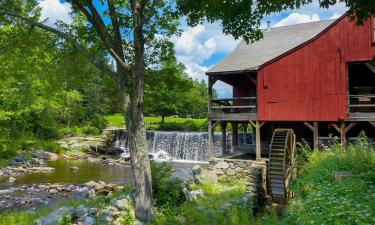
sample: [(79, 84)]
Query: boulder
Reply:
[(1, 173), (210, 176), (53, 191), (56, 216), (90, 184), (197, 172), (340, 176)]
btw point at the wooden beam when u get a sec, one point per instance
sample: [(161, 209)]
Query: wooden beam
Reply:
[(252, 123), (244, 126), (372, 123), (316, 135), (309, 126), (348, 128), (252, 79), (336, 127), (261, 124), (342, 133)]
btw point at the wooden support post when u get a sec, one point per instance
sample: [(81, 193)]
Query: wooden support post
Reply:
[(315, 129), (244, 126), (211, 82), (372, 123), (234, 133), (342, 134), (211, 135), (210, 140), (257, 141), (343, 130), (223, 126)]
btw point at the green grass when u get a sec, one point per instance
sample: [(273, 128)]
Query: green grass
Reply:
[(170, 123), (209, 210), (321, 200)]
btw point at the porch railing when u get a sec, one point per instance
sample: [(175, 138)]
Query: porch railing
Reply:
[(361, 103), (234, 105)]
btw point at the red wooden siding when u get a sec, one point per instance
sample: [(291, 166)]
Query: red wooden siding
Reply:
[(309, 84)]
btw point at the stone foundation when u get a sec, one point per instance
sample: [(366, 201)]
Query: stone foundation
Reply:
[(253, 173)]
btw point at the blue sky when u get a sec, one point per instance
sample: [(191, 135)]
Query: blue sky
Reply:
[(201, 47)]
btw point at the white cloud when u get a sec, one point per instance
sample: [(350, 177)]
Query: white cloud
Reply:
[(54, 10), (296, 18), (335, 15), (199, 43)]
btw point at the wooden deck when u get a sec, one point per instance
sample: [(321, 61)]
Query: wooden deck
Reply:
[(221, 116)]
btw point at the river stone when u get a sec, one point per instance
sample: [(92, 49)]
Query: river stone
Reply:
[(11, 179), (86, 220), (80, 211), (1, 173), (74, 168), (90, 184), (222, 165), (137, 222), (56, 216), (53, 191), (210, 176), (80, 193)]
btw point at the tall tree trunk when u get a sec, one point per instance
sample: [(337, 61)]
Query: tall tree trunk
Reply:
[(135, 121)]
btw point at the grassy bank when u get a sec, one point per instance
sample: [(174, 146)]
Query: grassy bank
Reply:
[(319, 199), (170, 123)]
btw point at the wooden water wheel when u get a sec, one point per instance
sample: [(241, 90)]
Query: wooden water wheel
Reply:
[(282, 164)]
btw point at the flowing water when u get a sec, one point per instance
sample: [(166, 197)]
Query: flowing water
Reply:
[(172, 145)]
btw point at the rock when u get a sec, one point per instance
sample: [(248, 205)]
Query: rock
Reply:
[(121, 204), (197, 172), (53, 191), (210, 176), (226, 207), (86, 220), (80, 211), (1, 173), (56, 216), (11, 179), (74, 168), (222, 165), (80, 193), (340, 176), (192, 195), (90, 184), (230, 172), (92, 211)]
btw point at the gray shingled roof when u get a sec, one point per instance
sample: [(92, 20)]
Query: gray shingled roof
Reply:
[(274, 43)]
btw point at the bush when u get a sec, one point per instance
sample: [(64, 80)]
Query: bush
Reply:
[(167, 190), (321, 200)]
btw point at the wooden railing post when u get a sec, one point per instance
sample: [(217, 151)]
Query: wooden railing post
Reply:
[(223, 126), (257, 141)]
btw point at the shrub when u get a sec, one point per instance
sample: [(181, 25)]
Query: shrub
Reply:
[(167, 190)]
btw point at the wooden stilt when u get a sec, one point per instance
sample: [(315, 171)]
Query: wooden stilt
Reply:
[(315, 129), (223, 126), (244, 125), (234, 133), (210, 140), (343, 130), (257, 141)]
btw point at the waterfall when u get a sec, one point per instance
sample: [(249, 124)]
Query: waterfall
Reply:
[(172, 145)]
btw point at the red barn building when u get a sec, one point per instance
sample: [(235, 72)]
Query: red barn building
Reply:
[(316, 78)]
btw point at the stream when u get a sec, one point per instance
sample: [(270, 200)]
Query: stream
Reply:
[(25, 193)]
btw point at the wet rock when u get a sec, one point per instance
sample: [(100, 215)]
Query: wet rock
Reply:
[(53, 191), (11, 179), (340, 176), (222, 165), (80, 211), (1, 173), (90, 184), (137, 222), (80, 193), (74, 168), (92, 211), (57, 216), (86, 220)]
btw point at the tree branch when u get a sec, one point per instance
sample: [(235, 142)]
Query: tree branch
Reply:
[(116, 28), (100, 64)]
